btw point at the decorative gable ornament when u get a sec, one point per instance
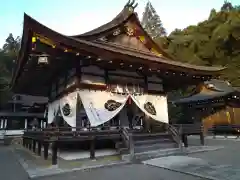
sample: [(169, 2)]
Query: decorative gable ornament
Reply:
[(103, 38), (129, 31), (117, 32)]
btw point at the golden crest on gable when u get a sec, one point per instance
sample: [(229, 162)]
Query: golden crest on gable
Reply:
[(130, 9), (129, 31)]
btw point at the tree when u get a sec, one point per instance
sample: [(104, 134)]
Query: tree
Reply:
[(151, 22), (227, 6), (12, 45), (215, 41), (8, 54), (213, 14)]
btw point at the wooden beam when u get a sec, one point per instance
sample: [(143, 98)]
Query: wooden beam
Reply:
[(54, 152), (39, 148), (45, 150)]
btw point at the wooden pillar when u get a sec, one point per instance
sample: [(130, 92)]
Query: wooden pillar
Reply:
[(30, 144), (26, 143), (54, 153), (39, 148), (92, 149), (23, 141), (5, 123), (34, 146), (2, 121), (202, 139), (45, 147), (202, 136), (185, 140), (25, 125)]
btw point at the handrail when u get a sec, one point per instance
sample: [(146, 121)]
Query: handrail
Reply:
[(189, 129), (224, 129), (176, 134), (125, 134), (128, 139)]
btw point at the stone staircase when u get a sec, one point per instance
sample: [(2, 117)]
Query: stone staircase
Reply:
[(150, 142), (139, 144)]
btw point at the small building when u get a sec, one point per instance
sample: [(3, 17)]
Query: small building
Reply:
[(215, 102), (20, 112)]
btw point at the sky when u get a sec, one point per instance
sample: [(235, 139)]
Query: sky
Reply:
[(73, 17)]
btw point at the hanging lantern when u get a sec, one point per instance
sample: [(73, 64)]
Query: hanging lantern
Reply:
[(43, 59)]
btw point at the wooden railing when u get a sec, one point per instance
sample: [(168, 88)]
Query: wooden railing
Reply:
[(225, 129), (176, 134), (189, 129), (57, 133)]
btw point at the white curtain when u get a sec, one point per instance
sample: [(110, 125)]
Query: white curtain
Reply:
[(52, 111), (68, 108), (154, 106), (101, 106)]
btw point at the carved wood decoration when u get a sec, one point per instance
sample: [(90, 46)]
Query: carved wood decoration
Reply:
[(131, 36)]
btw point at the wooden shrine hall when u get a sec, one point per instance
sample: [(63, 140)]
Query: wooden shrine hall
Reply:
[(214, 103), (106, 86)]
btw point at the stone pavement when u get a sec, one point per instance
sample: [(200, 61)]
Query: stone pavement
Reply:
[(223, 164), (124, 172), (219, 164), (36, 166), (197, 167), (10, 169)]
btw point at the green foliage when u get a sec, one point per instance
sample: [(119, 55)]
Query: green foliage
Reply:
[(215, 41), (8, 55), (151, 22)]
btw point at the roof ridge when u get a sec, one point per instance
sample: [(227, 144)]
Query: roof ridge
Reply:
[(125, 14)]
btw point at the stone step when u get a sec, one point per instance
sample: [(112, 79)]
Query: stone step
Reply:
[(152, 147), (142, 156), (149, 136), (153, 141), (123, 151)]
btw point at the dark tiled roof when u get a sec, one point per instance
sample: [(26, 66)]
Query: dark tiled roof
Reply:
[(217, 88), (78, 42), (147, 56), (123, 16)]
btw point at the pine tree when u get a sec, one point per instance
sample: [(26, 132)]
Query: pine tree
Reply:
[(151, 22)]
